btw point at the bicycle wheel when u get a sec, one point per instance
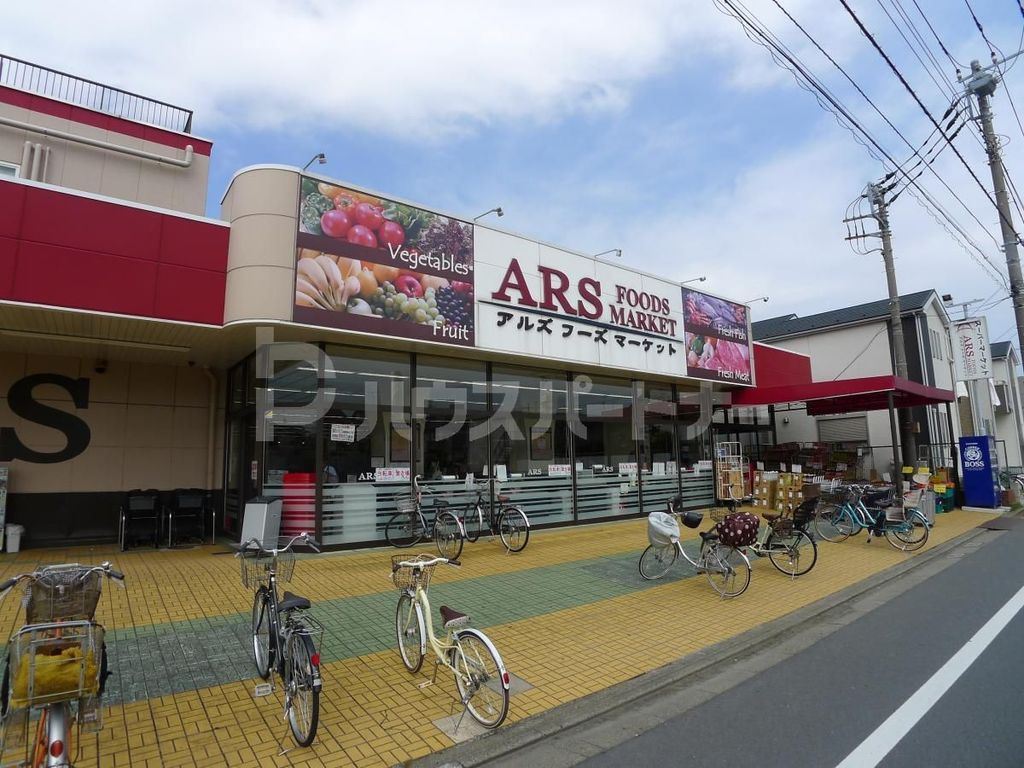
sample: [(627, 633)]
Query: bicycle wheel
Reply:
[(655, 561), (825, 523), (404, 529), (514, 529), (727, 570), (474, 522), (302, 689), (793, 553), (409, 628), (448, 535), (908, 536), (262, 647), (479, 675)]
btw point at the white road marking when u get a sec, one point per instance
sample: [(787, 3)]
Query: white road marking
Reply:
[(876, 746)]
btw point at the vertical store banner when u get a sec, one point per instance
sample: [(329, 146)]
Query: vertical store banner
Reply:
[(366, 263), (971, 357), (718, 338)]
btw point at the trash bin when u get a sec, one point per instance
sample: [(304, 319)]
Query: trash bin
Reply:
[(13, 533)]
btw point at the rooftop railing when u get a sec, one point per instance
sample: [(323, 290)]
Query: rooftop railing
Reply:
[(54, 84)]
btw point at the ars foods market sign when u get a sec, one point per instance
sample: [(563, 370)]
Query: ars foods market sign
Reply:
[(544, 302), (971, 357)]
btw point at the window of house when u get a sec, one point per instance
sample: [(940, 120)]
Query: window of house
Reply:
[(936, 343), (9, 171)]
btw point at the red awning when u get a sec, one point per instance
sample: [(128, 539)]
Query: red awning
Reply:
[(846, 395)]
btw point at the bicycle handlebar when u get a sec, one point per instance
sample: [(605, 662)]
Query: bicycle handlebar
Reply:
[(85, 570), (255, 546), (420, 564)]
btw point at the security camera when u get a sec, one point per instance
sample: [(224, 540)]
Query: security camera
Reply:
[(100, 366)]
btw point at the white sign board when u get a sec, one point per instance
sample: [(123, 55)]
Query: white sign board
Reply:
[(536, 300), (343, 433), (971, 356), (392, 474)]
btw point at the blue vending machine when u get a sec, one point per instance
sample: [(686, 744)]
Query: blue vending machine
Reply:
[(980, 471)]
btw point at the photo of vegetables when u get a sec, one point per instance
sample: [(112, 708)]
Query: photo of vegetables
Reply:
[(712, 315), (356, 218), (372, 265)]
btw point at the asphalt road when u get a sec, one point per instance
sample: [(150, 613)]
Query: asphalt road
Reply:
[(814, 707)]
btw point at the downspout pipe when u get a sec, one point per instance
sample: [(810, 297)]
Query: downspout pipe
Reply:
[(53, 133)]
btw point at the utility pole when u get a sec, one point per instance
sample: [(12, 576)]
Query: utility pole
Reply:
[(982, 84), (875, 195)]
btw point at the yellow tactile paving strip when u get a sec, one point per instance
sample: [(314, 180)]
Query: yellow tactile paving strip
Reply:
[(372, 712)]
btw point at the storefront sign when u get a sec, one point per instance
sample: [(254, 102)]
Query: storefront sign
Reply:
[(343, 433), (392, 474), (971, 357), (559, 470), (718, 340), (627, 467), (22, 402), (551, 303), (365, 263)]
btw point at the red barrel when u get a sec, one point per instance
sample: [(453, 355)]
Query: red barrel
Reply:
[(298, 504)]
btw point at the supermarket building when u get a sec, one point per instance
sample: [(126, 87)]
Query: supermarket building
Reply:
[(319, 342)]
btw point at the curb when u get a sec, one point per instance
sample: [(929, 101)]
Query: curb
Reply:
[(532, 730)]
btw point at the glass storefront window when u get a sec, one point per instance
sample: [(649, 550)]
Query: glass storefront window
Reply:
[(530, 441), (289, 455), (606, 459), (366, 430), (659, 472)]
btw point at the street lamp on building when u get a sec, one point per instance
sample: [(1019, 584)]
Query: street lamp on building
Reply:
[(695, 280), (614, 251), (759, 298), (320, 157), (493, 210)]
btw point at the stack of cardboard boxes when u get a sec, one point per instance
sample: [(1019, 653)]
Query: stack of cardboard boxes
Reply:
[(782, 491)]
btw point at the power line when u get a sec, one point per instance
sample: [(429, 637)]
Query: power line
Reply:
[(991, 48), (928, 164), (924, 109), (935, 34), (913, 50), (759, 34)]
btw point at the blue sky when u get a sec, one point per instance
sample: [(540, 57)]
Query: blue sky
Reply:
[(656, 127)]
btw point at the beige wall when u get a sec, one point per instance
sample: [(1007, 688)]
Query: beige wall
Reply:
[(148, 426), (262, 206), (106, 172)]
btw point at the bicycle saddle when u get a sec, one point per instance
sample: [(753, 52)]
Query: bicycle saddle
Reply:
[(706, 535), (503, 498), (453, 619), (292, 602), (770, 516)]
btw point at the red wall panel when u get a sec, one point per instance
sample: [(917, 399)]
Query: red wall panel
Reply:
[(777, 367), (69, 277), (73, 251)]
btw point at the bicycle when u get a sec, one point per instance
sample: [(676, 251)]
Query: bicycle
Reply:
[(905, 528), (284, 638), (408, 526), (510, 522), (726, 568), (480, 674), (56, 663), (785, 542)]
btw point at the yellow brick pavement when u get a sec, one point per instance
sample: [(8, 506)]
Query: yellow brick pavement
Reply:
[(372, 711)]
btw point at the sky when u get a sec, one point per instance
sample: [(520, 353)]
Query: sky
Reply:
[(656, 127)]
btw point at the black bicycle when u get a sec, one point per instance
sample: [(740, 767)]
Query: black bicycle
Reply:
[(284, 637), (503, 519)]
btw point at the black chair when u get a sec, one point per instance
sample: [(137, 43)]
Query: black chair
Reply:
[(140, 518), (186, 515)]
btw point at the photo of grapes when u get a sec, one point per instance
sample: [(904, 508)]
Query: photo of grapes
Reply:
[(369, 264)]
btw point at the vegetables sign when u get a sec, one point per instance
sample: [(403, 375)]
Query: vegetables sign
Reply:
[(717, 338), (364, 263)]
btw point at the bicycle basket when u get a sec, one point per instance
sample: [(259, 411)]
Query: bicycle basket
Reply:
[(662, 529), (407, 576), (55, 663), (405, 505), (895, 514), (256, 569), (63, 594)]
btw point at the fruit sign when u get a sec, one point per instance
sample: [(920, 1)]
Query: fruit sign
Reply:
[(369, 264), (717, 338)]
